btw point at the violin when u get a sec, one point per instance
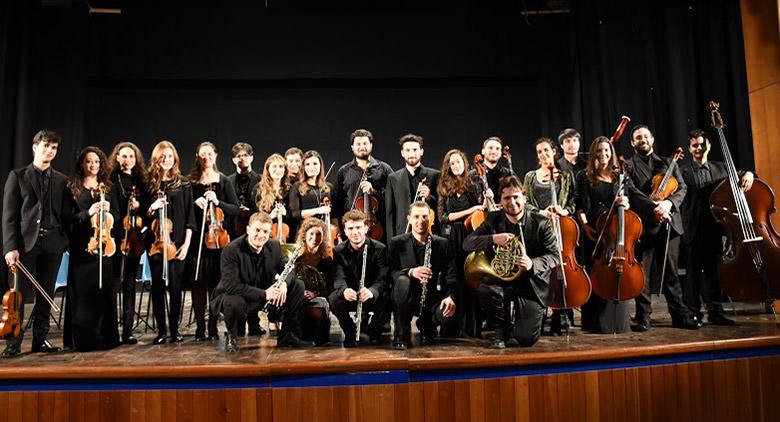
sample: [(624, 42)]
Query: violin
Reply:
[(418, 197), (162, 227), (664, 184), (478, 217), (370, 206), (10, 322), (101, 243), (132, 244), (571, 284), (750, 264), (333, 235), (216, 236), (280, 230)]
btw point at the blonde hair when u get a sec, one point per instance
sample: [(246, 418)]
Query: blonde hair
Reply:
[(156, 172), (267, 193)]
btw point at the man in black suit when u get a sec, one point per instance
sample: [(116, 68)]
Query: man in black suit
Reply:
[(346, 294), (492, 151), (569, 139), (407, 254), (35, 212), (702, 237), (660, 220), (403, 184), (531, 291), (249, 268)]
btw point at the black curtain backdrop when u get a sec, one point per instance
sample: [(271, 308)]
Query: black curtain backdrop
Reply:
[(307, 75)]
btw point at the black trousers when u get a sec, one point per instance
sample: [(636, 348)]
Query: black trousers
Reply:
[(235, 307), (175, 272), (203, 289), (702, 283), (529, 312), (406, 303), (651, 249), (341, 308), (127, 281), (43, 262)]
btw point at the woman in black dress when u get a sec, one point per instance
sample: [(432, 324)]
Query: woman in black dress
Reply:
[(306, 195), (90, 312), (128, 175), (209, 186), (168, 188), (597, 187), (459, 197)]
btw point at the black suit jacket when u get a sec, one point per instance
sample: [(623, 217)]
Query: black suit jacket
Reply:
[(22, 209), (445, 274), (397, 197), (696, 213), (642, 177), (540, 246), (377, 270)]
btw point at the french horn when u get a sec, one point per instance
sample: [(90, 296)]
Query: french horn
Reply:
[(503, 266)]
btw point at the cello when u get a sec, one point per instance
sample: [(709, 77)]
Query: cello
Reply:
[(478, 217), (370, 206), (750, 264)]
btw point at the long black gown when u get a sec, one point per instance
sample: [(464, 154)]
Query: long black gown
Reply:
[(90, 311)]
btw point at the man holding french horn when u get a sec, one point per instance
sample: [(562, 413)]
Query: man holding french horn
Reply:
[(518, 251)]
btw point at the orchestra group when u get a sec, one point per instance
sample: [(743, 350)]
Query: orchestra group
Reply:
[(468, 247)]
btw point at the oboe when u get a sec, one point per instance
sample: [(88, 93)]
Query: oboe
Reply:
[(426, 264), (359, 312)]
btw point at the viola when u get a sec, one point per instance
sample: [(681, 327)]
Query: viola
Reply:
[(508, 157), (664, 184), (478, 217), (132, 244), (370, 206), (101, 243), (333, 235), (280, 230), (10, 322), (216, 235), (162, 227), (750, 265)]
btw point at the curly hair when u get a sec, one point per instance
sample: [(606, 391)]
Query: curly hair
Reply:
[(313, 222), (76, 182), (267, 191), (139, 169)]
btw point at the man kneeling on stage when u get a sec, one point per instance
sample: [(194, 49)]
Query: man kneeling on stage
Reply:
[(530, 292), (250, 265), (421, 262)]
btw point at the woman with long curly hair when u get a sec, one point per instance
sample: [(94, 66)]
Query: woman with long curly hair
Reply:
[(168, 188), (90, 311), (127, 171), (459, 197)]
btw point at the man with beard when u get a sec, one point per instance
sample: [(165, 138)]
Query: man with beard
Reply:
[(661, 221), (531, 291), (249, 266), (407, 253), (349, 178), (702, 237), (34, 217), (244, 181), (403, 184), (492, 149), (569, 139)]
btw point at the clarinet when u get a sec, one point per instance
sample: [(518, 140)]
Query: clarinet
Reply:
[(426, 264), (288, 268), (359, 312)]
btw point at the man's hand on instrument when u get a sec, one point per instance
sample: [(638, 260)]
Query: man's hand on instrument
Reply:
[(365, 294), (447, 307), (421, 273), (663, 210), (12, 257), (350, 295), (747, 181), (365, 187), (273, 293), (502, 239), (524, 262), (279, 300), (425, 191)]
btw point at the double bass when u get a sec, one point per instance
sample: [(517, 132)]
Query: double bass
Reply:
[(750, 265)]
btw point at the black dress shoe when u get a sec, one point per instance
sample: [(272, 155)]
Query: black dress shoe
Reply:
[(201, 337), (686, 322), (291, 340), (159, 339), (497, 343), (177, 338), (720, 319), (11, 351), (129, 339), (231, 343), (256, 331), (642, 325), (45, 347), (427, 339), (400, 345)]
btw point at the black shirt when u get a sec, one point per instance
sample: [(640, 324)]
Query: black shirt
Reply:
[(414, 181), (180, 209), (228, 202), (351, 263), (348, 181), (43, 179), (244, 187), (312, 199), (702, 174), (493, 177)]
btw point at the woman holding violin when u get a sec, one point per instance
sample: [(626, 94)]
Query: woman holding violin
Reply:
[(90, 311), (172, 220), (459, 197), (128, 176), (537, 184), (310, 196), (271, 194), (215, 205), (598, 188)]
